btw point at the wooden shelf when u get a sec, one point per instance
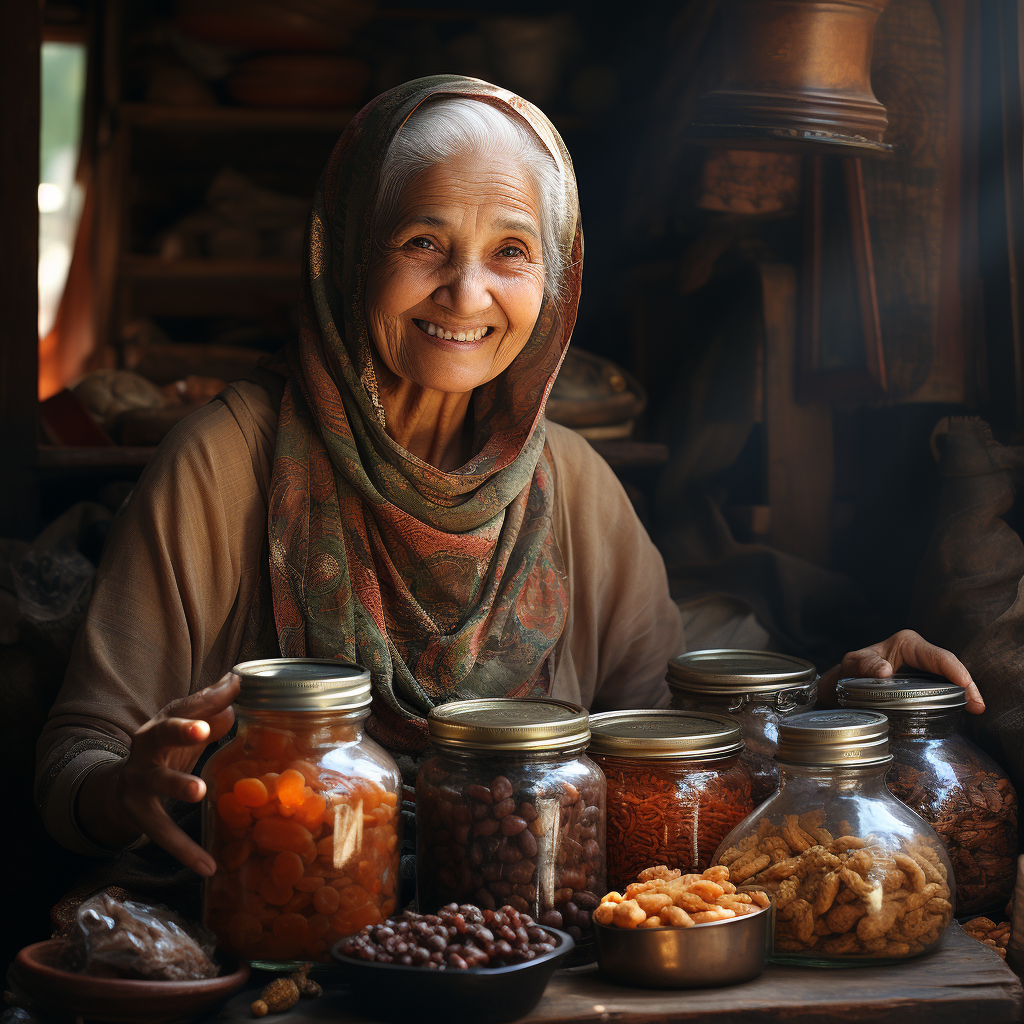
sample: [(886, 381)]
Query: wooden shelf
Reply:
[(167, 118)]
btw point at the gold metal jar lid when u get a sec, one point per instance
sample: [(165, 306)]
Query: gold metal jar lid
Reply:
[(730, 672), (902, 693), (509, 724), (303, 684), (834, 738), (694, 735)]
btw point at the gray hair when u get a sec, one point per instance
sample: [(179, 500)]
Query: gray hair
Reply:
[(442, 129)]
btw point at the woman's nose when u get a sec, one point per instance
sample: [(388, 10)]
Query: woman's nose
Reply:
[(466, 292)]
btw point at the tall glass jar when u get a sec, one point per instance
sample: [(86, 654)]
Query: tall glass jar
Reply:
[(757, 688), (676, 787), (957, 788), (301, 815), (510, 810), (855, 875)]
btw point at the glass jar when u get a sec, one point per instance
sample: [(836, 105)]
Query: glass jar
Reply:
[(676, 787), (855, 875), (757, 688), (300, 815), (511, 810), (957, 788)]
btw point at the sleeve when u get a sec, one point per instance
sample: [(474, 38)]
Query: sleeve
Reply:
[(158, 625), (623, 625)]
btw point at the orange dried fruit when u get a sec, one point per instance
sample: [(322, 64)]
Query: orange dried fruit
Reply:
[(251, 792), (326, 900), (233, 812), (288, 868), (290, 786)]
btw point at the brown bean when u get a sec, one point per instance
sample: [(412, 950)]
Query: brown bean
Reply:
[(501, 788), (480, 793), (512, 825), (527, 811), (562, 896), (500, 809), (520, 872), (500, 888), (485, 827), (508, 853), (552, 918), (527, 843), (586, 900)]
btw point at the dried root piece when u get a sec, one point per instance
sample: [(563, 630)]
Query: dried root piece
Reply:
[(280, 995)]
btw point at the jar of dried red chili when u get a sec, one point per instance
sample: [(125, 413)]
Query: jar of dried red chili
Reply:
[(676, 787), (757, 688), (301, 815), (511, 810), (956, 787)]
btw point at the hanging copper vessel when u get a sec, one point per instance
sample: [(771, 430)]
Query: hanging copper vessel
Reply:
[(796, 71)]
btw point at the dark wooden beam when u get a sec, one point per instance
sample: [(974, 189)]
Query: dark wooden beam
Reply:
[(20, 27)]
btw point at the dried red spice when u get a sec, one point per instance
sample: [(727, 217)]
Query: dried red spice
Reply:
[(674, 812)]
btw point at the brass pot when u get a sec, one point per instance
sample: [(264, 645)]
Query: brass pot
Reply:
[(796, 71)]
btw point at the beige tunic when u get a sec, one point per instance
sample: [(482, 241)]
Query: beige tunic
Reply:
[(181, 568)]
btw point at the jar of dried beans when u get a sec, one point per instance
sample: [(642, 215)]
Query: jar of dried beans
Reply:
[(676, 787), (301, 815), (958, 789), (757, 688), (855, 875), (510, 810)]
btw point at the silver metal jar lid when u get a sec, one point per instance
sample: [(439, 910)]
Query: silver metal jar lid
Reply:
[(834, 738), (901, 693), (303, 684), (509, 724), (730, 672), (664, 733)]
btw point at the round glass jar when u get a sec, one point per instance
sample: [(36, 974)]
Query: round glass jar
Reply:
[(676, 787), (300, 815), (510, 810), (956, 787), (757, 688), (855, 875)]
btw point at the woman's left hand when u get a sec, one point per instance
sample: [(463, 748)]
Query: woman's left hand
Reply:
[(908, 648)]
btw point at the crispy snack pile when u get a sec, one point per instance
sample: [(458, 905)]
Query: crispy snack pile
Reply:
[(844, 896), (987, 932), (665, 897)]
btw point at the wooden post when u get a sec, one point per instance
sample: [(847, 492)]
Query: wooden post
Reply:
[(799, 437), (19, 333)]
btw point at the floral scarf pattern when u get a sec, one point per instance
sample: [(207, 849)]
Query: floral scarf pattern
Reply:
[(446, 585)]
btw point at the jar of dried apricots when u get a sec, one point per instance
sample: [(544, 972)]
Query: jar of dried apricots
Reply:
[(676, 787), (301, 814), (757, 688)]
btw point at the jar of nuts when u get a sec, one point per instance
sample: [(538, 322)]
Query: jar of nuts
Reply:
[(301, 815), (957, 788), (757, 688), (854, 874), (676, 787), (510, 810)]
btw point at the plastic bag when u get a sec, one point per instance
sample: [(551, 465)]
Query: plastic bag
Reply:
[(134, 940)]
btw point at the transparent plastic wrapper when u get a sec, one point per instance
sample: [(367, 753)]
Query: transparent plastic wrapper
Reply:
[(134, 940)]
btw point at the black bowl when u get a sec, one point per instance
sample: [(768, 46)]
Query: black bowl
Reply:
[(482, 995)]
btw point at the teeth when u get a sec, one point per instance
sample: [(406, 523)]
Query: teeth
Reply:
[(461, 336), (431, 330), (448, 335), (435, 331)]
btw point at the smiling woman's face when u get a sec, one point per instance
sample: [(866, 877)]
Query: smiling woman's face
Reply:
[(454, 292)]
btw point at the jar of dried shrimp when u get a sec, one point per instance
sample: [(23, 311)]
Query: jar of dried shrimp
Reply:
[(676, 787), (301, 815)]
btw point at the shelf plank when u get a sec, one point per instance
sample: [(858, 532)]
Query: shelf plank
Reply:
[(166, 118)]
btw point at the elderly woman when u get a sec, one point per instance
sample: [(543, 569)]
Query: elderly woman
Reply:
[(389, 493)]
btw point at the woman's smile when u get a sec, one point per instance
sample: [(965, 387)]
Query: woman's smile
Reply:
[(457, 334)]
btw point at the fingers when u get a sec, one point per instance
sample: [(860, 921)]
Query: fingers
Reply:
[(916, 652), (167, 783), (911, 649), (209, 702), (157, 824), (161, 733)]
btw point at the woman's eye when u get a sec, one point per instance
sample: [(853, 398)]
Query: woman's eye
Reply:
[(511, 251), (421, 243)]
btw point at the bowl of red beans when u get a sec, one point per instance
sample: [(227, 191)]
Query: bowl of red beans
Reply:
[(462, 963)]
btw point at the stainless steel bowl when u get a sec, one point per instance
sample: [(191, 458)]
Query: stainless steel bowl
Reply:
[(704, 956)]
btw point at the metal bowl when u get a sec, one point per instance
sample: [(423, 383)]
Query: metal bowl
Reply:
[(704, 956)]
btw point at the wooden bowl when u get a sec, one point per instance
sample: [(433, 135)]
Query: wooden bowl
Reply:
[(37, 973)]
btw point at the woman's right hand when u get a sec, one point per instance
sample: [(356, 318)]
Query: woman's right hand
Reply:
[(116, 803)]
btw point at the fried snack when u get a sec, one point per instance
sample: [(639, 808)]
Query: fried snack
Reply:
[(841, 895), (664, 897), (987, 932)]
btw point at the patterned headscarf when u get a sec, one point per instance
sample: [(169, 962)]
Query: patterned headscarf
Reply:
[(446, 585)]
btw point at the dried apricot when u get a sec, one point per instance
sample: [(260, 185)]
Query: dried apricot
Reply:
[(233, 812), (251, 792), (290, 785), (279, 834), (326, 900), (288, 868)]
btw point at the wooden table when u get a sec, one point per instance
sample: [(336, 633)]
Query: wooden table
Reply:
[(962, 982)]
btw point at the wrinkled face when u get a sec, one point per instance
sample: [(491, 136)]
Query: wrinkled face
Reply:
[(454, 292)]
